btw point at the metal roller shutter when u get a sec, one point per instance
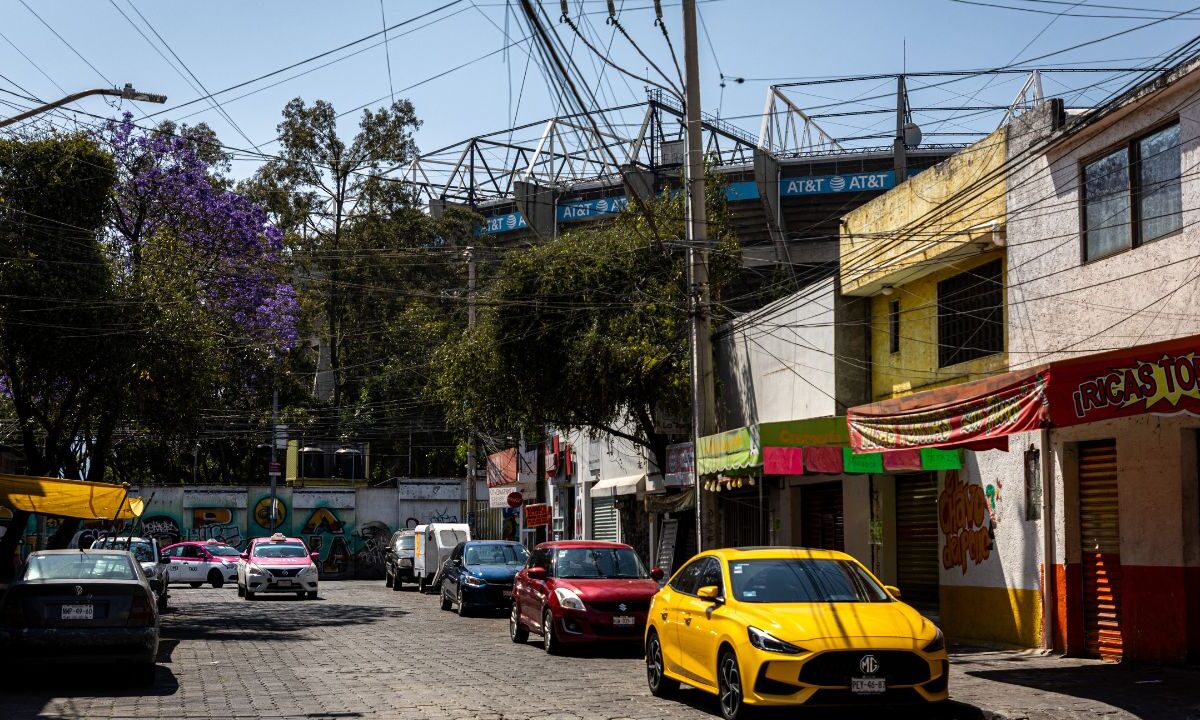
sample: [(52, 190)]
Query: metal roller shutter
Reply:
[(1100, 547), (822, 522), (604, 519), (917, 541)]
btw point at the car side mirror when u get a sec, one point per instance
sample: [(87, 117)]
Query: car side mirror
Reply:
[(893, 591), (245, 556), (315, 557), (164, 559), (710, 592), (536, 573), (656, 574)]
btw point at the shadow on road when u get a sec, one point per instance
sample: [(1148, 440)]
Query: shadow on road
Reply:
[(1151, 692), (278, 618), (707, 703), (28, 692)]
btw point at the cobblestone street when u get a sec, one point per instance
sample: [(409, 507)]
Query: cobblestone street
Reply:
[(365, 651)]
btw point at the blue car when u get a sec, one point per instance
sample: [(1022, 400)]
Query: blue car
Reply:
[(479, 575)]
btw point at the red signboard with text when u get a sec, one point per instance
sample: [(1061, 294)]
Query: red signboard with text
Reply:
[(537, 514)]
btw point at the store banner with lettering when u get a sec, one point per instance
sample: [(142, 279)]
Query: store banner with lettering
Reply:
[(979, 413), (1160, 379)]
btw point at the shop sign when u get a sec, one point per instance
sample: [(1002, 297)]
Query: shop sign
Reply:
[(730, 450), (502, 468), (681, 465), (537, 514), (1159, 379), (498, 497), (804, 433), (1016, 408)]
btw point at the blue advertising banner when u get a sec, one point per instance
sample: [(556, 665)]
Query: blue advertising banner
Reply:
[(503, 223), (743, 190), (825, 184), (584, 209)]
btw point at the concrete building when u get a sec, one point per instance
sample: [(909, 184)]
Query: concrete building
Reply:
[(1094, 510)]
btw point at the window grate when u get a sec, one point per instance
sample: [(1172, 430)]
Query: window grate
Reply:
[(971, 315)]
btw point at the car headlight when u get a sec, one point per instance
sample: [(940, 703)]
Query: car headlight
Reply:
[(256, 570), (766, 641), (937, 644), (474, 581), (568, 599)]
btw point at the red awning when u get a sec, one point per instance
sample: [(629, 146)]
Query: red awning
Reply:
[(1161, 379)]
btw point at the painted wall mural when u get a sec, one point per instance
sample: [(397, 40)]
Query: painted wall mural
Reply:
[(966, 523), (328, 521)]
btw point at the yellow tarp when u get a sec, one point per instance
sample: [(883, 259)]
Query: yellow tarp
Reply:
[(68, 498)]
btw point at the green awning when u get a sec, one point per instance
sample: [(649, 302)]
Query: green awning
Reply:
[(730, 450), (809, 432)]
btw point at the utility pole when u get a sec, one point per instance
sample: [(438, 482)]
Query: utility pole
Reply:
[(472, 501), (899, 149), (273, 470), (126, 93), (703, 396)]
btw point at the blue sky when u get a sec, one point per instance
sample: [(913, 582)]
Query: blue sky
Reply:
[(226, 43)]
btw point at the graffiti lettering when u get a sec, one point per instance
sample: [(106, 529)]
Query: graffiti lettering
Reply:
[(262, 512), (368, 561), (322, 521), (444, 515), (162, 528), (965, 521)]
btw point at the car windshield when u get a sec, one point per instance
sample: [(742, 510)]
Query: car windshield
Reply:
[(223, 550), (279, 550), (141, 549), (803, 580), (408, 542), (598, 563), (450, 538), (496, 555), (80, 566)]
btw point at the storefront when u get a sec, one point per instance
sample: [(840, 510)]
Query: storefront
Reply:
[(798, 483), (1098, 492)]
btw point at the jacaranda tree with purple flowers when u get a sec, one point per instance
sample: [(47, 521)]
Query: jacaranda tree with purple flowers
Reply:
[(137, 294)]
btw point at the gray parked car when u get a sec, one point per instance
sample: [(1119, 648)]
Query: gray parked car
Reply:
[(149, 556), (71, 606), (398, 559)]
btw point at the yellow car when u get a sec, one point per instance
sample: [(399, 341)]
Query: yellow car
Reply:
[(790, 626)]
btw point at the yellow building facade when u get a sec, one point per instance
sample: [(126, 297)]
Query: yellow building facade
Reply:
[(930, 256)]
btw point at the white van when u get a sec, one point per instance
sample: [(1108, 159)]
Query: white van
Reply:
[(434, 543)]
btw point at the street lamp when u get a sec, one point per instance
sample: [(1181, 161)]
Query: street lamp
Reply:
[(125, 93)]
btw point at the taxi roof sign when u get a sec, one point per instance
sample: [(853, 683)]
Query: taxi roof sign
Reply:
[(278, 537)]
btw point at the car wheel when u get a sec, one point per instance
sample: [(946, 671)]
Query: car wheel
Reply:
[(549, 638), (241, 590), (249, 594), (216, 579), (729, 687), (516, 631), (195, 584), (311, 594), (463, 611), (660, 684), (162, 602), (446, 602)]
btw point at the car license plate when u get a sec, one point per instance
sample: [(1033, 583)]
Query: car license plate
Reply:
[(284, 583), (78, 612), (624, 620), (868, 686)]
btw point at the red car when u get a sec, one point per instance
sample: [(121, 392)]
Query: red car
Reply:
[(581, 591)]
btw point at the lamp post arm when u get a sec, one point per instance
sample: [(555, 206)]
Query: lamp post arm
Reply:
[(128, 93)]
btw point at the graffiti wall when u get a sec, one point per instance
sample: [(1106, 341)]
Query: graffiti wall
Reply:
[(349, 527)]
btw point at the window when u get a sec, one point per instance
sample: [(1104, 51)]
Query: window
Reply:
[(788, 580), (1132, 194), (598, 563), (894, 326), (687, 580), (712, 576), (971, 315)]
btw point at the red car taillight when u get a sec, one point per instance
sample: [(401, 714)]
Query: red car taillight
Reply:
[(141, 612)]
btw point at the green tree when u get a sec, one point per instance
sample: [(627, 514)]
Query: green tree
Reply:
[(320, 187), (588, 330)]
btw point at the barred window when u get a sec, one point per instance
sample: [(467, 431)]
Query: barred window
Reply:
[(971, 315), (894, 326)]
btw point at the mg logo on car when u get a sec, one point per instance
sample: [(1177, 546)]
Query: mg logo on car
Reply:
[(869, 665)]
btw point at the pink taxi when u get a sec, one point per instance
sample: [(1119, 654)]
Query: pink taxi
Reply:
[(197, 563), (277, 564)]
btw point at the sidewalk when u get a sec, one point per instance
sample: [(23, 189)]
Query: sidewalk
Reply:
[(1026, 685)]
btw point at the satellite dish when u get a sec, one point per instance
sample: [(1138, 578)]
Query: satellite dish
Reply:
[(912, 134)]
